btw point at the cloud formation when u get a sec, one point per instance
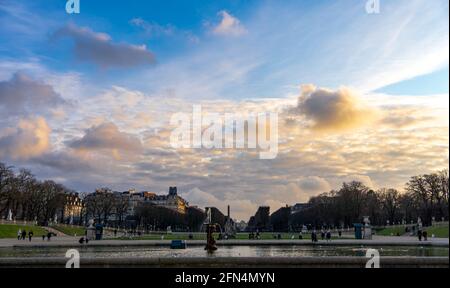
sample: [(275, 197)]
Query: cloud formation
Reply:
[(333, 110), (29, 139), (229, 25), (98, 48), (23, 95), (107, 136)]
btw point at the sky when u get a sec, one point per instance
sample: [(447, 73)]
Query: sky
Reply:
[(86, 99)]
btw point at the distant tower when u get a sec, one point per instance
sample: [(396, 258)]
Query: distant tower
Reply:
[(172, 191), (230, 229)]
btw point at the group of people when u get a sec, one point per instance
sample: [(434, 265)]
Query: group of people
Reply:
[(83, 240), (324, 235), (422, 234), (49, 236), (253, 235), (22, 235)]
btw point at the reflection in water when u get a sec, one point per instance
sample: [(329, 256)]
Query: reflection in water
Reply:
[(226, 251)]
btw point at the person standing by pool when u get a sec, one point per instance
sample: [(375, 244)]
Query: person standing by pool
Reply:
[(328, 235), (314, 236)]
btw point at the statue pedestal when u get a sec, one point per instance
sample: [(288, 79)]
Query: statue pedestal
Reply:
[(90, 233), (367, 228), (368, 233)]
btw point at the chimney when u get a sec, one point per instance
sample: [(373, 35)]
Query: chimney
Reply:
[(173, 191)]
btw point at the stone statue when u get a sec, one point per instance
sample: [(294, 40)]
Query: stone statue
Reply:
[(367, 228)]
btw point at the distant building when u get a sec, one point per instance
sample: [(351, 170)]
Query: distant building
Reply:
[(279, 219), (299, 207), (241, 225), (172, 200), (261, 220), (72, 207)]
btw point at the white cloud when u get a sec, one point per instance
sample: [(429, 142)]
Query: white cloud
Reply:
[(98, 48), (229, 25), (29, 139)]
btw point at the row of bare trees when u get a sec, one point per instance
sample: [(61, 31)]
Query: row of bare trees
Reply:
[(426, 196), (28, 198), (155, 217), (113, 208), (104, 206)]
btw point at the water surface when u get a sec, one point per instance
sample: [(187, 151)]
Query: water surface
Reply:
[(226, 251)]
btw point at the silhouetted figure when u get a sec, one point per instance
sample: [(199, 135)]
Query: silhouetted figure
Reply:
[(419, 234), (425, 235), (328, 235), (49, 236), (30, 235), (314, 236), (81, 241), (24, 235), (43, 237)]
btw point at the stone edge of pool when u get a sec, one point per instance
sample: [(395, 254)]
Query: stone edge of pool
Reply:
[(166, 243), (229, 262)]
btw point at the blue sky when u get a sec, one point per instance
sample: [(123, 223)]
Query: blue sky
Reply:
[(86, 99), (182, 29)]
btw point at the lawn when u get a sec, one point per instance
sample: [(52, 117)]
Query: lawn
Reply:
[(438, 231), (391, 231), (70, 230), (10, 231)]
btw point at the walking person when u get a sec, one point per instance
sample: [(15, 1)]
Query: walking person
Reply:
[(24, 234), (30, 235), (314, 236), (328, 235), (19, 234)]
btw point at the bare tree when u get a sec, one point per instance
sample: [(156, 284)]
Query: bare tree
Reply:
[(121, 206), (390, 203)]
